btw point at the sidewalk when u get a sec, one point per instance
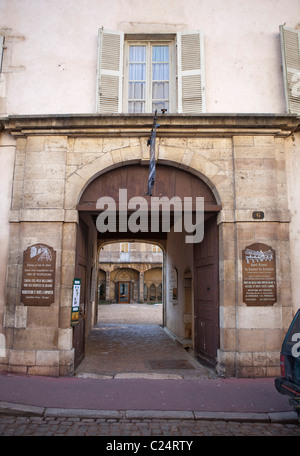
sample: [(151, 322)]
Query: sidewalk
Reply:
[(140, 398)]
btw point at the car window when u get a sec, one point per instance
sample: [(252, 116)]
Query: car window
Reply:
[(291, 343)]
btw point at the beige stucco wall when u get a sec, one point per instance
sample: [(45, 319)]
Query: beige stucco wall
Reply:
[(49, 66)]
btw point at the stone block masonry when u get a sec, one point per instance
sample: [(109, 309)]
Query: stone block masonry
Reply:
[(240, 158)]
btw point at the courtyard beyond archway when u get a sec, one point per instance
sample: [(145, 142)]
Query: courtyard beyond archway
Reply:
[(129, 342)]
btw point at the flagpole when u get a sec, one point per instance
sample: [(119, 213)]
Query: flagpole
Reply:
[(151, 143)]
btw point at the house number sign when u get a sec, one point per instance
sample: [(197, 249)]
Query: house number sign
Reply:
[(259, 275)]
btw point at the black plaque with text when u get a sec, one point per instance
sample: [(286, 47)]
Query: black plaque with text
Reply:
[(259, 275), (38, 280)]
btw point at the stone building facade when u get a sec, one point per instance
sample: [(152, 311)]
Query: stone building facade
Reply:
[(63, 147), (130, 272)]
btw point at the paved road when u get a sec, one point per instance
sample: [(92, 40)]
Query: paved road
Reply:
[(11, 425), (116, 398)]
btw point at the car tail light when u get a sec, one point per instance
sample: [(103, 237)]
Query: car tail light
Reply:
[(282, 365)]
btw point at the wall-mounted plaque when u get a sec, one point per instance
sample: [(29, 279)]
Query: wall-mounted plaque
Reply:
[(259, 275), (38, 280), (258, 215)]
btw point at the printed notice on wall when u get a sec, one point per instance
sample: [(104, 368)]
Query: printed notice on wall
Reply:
[(75, 302), (259, 275), (38, 279), (173, 286)]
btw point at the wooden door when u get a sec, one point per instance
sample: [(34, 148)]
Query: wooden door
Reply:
[(81, 273), (206, 294)]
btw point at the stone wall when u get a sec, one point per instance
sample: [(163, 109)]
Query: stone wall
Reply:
[(242, 161)]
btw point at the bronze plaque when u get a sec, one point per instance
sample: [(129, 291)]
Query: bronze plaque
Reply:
[(259, 275), (38, 279)]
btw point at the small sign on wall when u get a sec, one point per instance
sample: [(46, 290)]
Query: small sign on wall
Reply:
[(259, 275), (38, 278), (173, 290), (75, 302)]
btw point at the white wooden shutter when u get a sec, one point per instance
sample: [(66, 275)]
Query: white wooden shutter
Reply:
[(1, 50), (191, 75), (290, 49), (110, 71)]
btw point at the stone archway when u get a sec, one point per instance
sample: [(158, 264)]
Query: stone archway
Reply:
[(170, 182)]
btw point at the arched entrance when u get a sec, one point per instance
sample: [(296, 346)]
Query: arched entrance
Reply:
[(201, 258)]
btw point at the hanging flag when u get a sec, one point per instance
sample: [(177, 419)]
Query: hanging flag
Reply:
[(151, 143)]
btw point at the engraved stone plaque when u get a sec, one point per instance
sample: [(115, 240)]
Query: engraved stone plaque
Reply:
[(259, 275), (38, 280)]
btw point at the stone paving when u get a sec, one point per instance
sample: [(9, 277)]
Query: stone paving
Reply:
[(121, 347), (75, 426), (129, 339)]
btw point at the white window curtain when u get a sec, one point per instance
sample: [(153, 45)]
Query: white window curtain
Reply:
[(140, 70), (160, 77), (137, 79)]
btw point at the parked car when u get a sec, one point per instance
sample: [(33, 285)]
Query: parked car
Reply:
[(289, 382)]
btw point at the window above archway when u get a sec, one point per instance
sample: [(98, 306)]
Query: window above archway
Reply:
[(141, 73)]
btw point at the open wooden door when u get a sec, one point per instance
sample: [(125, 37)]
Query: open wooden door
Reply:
[(206, 294), (81, 273)]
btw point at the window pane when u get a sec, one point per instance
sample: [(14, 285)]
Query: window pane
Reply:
[(160, 90), (137, 63), (136, 90), (160, 63), (137, 54), (136, 107), (137, 71), (160, 54), (137, 79), (160, 77), (160, 71)]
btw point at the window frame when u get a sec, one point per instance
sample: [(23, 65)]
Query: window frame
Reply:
[(187, 88), (149, 42)]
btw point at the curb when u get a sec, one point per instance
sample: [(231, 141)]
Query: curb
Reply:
[(8, 408)]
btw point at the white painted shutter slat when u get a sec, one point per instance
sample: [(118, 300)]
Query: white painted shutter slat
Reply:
[(110, 71), (1, 50), (290, 50), (191, 74)]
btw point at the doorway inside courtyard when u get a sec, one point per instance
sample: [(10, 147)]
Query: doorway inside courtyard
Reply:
[(143, 325)]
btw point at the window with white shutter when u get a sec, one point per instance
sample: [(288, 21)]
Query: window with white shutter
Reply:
[(110, 71), (142, 73), (290, 49), (190, 61)]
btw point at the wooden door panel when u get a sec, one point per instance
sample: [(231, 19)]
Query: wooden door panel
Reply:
[(81, 273), (206, 321)]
